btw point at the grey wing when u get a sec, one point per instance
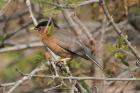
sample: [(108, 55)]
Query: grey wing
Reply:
[(68, 41)]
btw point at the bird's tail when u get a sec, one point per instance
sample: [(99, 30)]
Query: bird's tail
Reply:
[(95, 61), (88, 54)]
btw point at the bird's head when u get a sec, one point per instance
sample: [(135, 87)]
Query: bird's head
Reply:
[(47, 27)]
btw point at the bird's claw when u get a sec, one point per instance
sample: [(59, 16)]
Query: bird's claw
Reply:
[(61, 63)]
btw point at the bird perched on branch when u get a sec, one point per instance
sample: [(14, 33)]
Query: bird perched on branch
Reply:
[(63, 42)]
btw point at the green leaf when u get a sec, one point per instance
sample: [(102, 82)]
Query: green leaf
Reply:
[(51, 30), (120, 55), (122, 44)]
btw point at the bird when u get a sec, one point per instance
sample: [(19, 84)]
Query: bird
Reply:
[(63, 42)]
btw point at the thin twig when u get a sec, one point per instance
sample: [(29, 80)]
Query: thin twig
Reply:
[(52, 88), (87, 2), (94, 89), (73, 86), (55, 69), (84, 28), (10, 34)]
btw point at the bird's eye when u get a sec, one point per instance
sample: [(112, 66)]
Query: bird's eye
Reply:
[(39, 28)]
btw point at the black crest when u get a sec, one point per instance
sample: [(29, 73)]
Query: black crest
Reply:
[(45, 23)]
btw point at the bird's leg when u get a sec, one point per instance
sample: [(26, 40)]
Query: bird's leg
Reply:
[(64, 59)]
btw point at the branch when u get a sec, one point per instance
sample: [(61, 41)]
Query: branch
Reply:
[(85, 78), (31, 12), (21, 47), (84, 28), (9, 35)]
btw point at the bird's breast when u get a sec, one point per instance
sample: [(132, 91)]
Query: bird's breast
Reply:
[(52, 43)]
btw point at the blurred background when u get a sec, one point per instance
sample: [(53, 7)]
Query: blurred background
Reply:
[(22, 49)]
